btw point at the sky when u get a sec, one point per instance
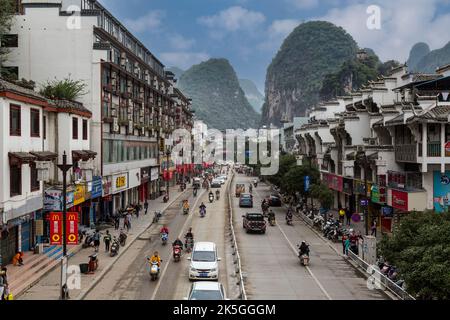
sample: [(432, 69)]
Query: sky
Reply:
[(249, 32)]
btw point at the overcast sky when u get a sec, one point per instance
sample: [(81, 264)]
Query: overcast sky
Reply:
[(249, 32)]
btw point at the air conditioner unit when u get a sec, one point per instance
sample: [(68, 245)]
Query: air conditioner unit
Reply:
[(116, 127), (113, 75), (373, 142), (359, 149), (113, 82), (114, 112)]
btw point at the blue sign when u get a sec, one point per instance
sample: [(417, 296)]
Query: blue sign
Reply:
[(307, 183), (364, 202), (97, 188), (441, 189), (387, 212)]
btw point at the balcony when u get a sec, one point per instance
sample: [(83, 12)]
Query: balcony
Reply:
[(434, 149), (406, 153)]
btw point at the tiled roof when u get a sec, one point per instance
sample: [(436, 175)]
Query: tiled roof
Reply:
[(12, 87), (70, 106)]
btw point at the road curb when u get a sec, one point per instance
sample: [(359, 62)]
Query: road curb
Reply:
[(84, 293)]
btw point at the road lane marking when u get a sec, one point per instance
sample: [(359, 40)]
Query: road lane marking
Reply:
[(190, 217), (296, 254)]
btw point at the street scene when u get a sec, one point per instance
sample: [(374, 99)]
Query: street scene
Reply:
[(224, 150)]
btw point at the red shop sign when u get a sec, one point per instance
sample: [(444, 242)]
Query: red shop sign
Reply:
[(72, 228), (400, 200), (55, 228), (335, 182)]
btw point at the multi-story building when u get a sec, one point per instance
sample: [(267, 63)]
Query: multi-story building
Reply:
[(128, 92), (383, 149), (33, 137)]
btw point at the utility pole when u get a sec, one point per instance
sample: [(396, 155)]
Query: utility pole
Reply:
[(168, 172), (64, 167)]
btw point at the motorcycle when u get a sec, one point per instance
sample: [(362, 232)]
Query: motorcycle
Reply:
[(189, 244), (166, 199), (217, 196), (157, 216), (122, 239), (211, 198), (289, 221), (272, 221), (255, 184), (185, 211), (89, 241), (115, 246), (195, 193), (154, 270), (202, 212), (93, 262), (318, 221), (176, 253), (304, 260), (164, 238)]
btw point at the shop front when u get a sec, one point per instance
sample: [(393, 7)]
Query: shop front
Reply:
[(134, 181), (93, 200), (144, 188), (154, 183), (441, 191), (119, 188), (350, 198), (335, 183), (378, 207)]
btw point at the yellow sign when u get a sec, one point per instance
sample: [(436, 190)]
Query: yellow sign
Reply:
[(55, 238), (121, 182), (79, 193), (72, 237)]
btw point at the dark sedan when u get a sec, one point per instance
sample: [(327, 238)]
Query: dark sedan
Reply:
[(274, 201)]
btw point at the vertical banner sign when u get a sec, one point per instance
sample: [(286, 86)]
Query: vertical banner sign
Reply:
[(56, 228), (72, 228), (307, 183)]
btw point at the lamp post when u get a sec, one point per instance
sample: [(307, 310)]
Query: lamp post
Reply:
[(64, 167), (363, 158), (168, 172)]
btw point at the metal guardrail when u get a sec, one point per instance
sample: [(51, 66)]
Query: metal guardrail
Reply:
[(379, 280), (237, 260)]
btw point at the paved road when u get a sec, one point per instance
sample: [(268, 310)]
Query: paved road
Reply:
[(273, 270), (129, 279)]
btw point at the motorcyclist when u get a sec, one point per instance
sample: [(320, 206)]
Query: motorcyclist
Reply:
[(156, 258), (250, 188), (177, 242), (186, 205), (289, 214), (271, 215), (217, 194), (165, 230), (189, 234), (211, 194), (303, 249)]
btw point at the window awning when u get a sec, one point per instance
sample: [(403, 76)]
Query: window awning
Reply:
[(83, 155), (19, 158), (44, 155)]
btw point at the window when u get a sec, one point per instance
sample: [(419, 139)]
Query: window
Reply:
[(85, 129), (10, 41), (34, 122), (15, 180), (35, 185), (74, 128), (45, 128), (14, 120)]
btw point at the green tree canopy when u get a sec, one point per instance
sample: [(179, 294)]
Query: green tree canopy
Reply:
[(322, 193), (294, 180), (420, 248), (66, 89), (7, 9)]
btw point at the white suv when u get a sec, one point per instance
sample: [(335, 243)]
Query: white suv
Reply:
[(204, 262)]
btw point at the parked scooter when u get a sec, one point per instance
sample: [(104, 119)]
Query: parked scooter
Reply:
[(88, 241), (122, 238), (115, 246)]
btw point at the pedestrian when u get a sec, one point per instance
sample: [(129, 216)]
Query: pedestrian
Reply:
[(107, 239), (346, 246), (348, 215), (129, 221), (344, 241), (18, 259), (341, 215), (137, 208), (116, 222), (146, 206), (97, 237), (3, 283), (374, 228)]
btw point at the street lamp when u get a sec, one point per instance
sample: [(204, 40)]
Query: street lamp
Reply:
[(168, 173), (363, 158), (64, 167)]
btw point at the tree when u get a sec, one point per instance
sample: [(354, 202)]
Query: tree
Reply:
[(294, 180), (7, 9), (420, 248), (322, 193), (286, 163), (66, 89)]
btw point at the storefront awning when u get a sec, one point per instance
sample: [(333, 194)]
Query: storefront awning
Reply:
[(44, 155), (83, 155), (18, 158)]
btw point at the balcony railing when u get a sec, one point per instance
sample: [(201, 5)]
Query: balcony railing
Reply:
[(434, 149), (406, 153)]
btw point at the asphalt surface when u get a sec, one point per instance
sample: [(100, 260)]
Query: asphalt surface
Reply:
[(129, 278), (272, 268)]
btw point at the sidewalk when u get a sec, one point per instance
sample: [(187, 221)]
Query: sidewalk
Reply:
[(40, 277)]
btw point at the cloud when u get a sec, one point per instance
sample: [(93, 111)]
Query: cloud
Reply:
[(178, 42), (232, 19), (403, 23), (277, 32), (304, 4), (149, 22), (183, 59)]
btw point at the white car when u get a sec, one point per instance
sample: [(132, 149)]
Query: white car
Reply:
[(207, 290), (204, 262), (222, 179)]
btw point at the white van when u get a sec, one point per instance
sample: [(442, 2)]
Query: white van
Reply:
[(204, 262)]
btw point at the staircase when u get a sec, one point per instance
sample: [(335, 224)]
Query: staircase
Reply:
[(35, 267)]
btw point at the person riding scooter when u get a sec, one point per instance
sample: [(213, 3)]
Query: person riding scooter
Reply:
[(217, 194), (202, 209), (250, 188), (185, 206), (211, 196), (155, 258), (303, 249), (272, 217), (289, 216)]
